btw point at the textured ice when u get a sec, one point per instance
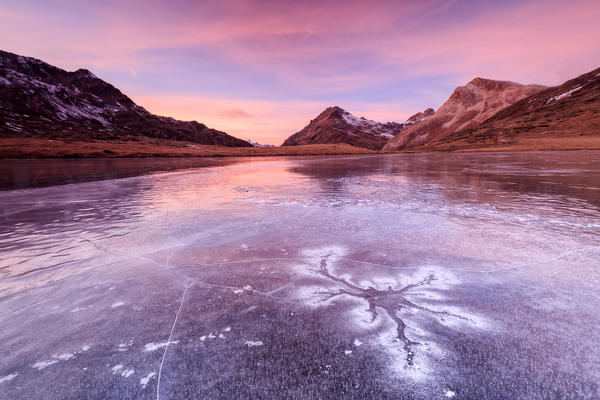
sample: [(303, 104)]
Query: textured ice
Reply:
[(8, 377), (156, 346), (43, 364), (127, 373), (395, 275), (145, 380)]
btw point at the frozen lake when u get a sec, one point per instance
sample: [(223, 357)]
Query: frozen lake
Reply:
[(431, 276)]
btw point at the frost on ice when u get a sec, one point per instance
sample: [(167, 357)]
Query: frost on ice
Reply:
[(8, 378), (145, 380), (156, 346), (389, 305)]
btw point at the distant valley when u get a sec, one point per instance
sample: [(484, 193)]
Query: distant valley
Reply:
[(48, 112)]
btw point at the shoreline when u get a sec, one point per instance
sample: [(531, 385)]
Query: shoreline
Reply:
[(39, 148)]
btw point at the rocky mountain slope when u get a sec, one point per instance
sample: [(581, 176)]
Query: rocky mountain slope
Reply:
[(40, 100), (570, 111), (466, 108), (335, 125), (420, 116)]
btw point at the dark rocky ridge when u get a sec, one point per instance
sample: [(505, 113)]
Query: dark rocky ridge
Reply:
[(40, 100)]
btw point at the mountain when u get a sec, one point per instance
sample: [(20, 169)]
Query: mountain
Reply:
[(256, 144), (466, 108), (38, 99), (420, 116), (570, 111), (335, 125)]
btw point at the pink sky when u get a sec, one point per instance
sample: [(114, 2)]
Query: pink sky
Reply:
[(262, 69)]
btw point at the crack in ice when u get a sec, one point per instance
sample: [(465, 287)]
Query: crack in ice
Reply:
[(391, 301), (169, 340)]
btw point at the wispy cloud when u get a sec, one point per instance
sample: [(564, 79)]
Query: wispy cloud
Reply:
[(233, 113)]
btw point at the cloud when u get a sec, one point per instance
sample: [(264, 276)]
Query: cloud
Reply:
[(234, 113), (264, 68), (13, 15), (272, 121)]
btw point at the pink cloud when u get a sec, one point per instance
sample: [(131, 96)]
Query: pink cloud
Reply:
[(311, 51), (271, 122), (235, 113)]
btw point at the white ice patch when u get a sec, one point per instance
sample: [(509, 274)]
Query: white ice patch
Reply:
[(315, 255), (144, 381), (156, 346), (117, 368), (251, 343), (238, 291), (117, 304), (85, 348), (450, 393), (124, 346), (55, 358), (40, 365), (228, 329), (347, 352), (8, 378), (353, 285), (127, 373)]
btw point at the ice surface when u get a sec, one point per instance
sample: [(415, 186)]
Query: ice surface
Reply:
[(8, 378), (145, 380), (424, 276), (156, 346)]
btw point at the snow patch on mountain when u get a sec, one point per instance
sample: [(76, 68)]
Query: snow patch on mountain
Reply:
[(563, 95), (373, 127)]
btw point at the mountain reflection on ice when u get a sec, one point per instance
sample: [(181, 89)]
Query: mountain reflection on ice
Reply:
[(388, 276)]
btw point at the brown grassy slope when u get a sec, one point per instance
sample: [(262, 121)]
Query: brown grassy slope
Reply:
[(589, 142), (43, 148), (467, 107), (562, 117)]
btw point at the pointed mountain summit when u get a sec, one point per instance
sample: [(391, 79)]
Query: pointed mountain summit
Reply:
[(41, 100), (420, 116), (466, 108), (336, 125)]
